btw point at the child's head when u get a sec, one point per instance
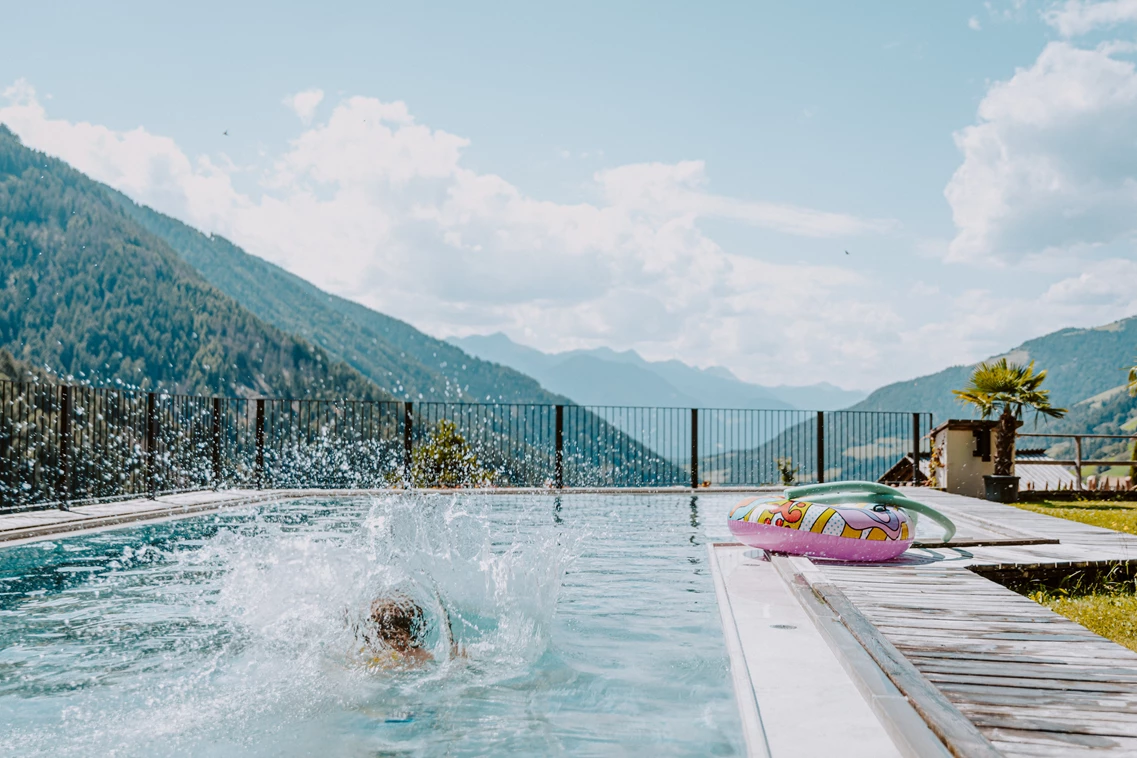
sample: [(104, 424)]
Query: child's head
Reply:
[(397, 621)]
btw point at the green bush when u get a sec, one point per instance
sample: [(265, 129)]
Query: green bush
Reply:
[(787, 471), (446, 460)]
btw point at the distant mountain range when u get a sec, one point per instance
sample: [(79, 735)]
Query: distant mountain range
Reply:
[(606, 377)]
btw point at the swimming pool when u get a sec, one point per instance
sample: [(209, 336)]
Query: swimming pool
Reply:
[(589, 623)]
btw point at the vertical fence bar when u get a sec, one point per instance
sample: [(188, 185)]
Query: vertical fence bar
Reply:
[(694, 448), (64, 446), (215, 433), (559, 448), (1078, 463), (820, 447), (408, 440), (260, 470), (151, 443), (915, 449)]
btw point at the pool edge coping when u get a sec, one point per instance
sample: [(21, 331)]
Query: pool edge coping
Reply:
[(753, 730)]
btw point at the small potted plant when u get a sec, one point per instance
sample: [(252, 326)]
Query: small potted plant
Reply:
[(1003, 389)]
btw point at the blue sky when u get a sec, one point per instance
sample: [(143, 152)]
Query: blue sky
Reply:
[(679, 179)]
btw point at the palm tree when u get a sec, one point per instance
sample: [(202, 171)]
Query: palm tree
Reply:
[(1004, 389)]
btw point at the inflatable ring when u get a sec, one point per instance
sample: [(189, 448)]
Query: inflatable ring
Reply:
[(847, 521)]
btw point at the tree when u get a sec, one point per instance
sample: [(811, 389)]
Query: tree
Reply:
[(787, 471), (1004, 389), (1133, 380), (446, 460)]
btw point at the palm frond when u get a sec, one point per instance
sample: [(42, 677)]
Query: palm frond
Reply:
[(1000, 386)]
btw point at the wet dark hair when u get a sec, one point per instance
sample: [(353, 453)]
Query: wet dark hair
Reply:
[(397, 620)]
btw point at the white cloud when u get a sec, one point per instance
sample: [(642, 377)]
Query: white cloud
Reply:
[(372, 205), (1051, 165), (1076, 17), (304, 104), (973, 24), (149, 168)]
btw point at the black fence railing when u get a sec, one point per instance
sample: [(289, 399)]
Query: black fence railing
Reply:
[(62, 444)]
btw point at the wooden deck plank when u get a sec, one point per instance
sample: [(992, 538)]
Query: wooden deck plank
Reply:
[(1055, 672), (1033, 682), (1073, 689), (983, 657), (986, 694)]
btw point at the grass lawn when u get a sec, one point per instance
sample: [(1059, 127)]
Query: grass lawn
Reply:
[(1110, 608), (1113, 616), (1119, 516)]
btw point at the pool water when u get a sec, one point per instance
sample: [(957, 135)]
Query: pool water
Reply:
[(588, 626)]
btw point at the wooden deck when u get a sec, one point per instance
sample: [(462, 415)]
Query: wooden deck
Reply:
[(1029, 681)]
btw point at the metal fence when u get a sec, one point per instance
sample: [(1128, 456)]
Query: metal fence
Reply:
[(1078, 451), (61, 444)]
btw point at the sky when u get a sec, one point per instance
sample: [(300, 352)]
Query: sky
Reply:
[(856, 193)]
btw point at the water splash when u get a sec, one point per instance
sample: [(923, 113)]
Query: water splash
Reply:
[(239, 641)]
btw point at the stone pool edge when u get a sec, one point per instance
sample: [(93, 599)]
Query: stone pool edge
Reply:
[(757, 601)]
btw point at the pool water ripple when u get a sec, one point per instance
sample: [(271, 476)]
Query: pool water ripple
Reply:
[(589, 625)]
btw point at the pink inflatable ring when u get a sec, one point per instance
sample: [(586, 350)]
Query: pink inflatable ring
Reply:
[(850, 521)]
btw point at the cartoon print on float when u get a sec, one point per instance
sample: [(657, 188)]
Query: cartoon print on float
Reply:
[(853, 521)]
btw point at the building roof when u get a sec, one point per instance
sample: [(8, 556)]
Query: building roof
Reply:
[(1042, 476), (901, 471), (1033, 476)]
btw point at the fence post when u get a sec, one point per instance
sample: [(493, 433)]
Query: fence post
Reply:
[(915, 449), (408, 440), (260, 442), (216, 442), (64, 446), (152, 443), (694, 448), (1078, 462), (821, 447), (559, 448)]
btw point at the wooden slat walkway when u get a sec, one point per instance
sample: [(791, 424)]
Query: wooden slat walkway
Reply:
[(1031, 681)]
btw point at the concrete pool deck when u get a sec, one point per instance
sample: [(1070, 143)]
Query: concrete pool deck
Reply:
[(921, 656)]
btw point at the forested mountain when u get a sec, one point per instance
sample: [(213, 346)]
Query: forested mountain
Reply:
[(1086, 373), (404, 361), (88, 293), (1080, 363), (15, 370)]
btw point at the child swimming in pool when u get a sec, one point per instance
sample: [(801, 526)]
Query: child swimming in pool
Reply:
[(392, 633)]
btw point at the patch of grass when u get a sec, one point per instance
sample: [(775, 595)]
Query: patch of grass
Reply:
[(1113, 616), (1106, 604), (1103, 601), (1119, 516)]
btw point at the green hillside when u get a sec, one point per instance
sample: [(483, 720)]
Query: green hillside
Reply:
[(392, 353), (88, 293), (1086, 374), (14, 370), (1080, 364)]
